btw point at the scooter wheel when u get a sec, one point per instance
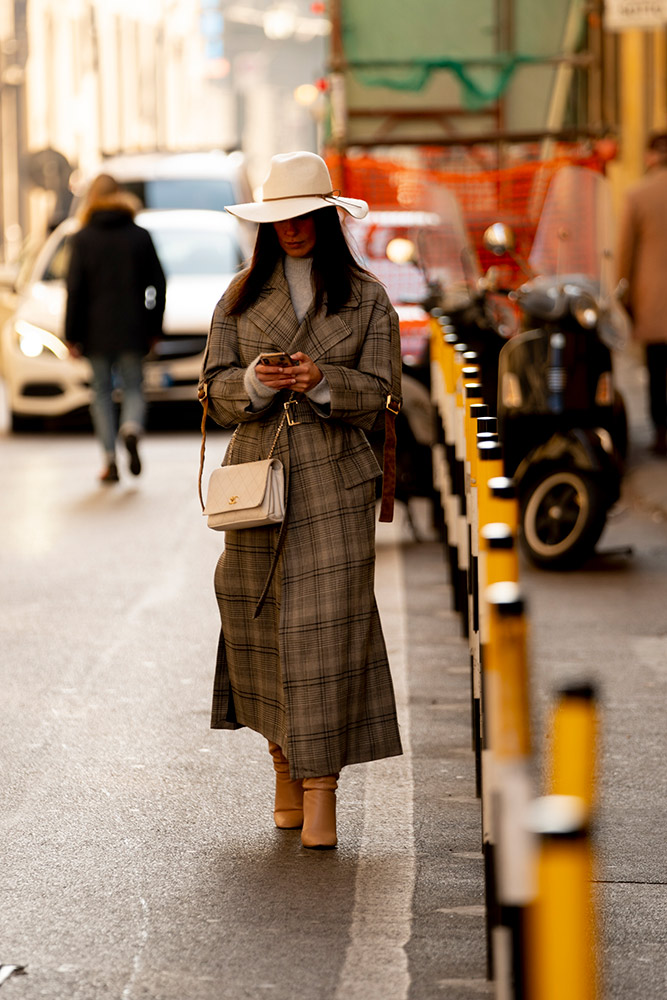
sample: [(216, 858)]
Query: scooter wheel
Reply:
[(563, 514)]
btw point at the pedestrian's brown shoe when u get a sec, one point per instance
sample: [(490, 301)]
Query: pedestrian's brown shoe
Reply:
[(132, 445), (110, 474), (319, 812), (288, 806)]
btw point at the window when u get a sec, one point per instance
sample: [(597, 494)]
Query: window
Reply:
[(213, 193), (183, 251)]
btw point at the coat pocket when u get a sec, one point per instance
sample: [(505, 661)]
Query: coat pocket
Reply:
[(358, 467)]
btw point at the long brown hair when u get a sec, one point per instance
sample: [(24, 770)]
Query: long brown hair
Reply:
[(333, 265), (106, 194)]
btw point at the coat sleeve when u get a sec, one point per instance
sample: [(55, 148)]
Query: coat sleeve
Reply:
[(75, 311), (359, 394), (223, 373)]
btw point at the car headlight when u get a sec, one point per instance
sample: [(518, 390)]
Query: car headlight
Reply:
[(585, 311), (33, 341)]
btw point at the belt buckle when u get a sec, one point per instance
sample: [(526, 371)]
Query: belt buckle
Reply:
[(291, 421)]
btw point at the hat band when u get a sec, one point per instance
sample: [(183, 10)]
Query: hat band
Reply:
[(285, 197)]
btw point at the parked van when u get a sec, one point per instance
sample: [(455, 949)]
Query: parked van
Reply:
[(210, 180)]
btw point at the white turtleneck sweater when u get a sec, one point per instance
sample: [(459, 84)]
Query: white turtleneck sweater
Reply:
[(298, 272)]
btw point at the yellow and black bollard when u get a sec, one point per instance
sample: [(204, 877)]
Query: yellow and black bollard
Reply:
[(460, 580), (560, 938), (490, 423), (574, 734), (498, 563), (476, 413), (451, 498), (489, 466), (475, 410), (507, 723), (503, 505), (561, 932)]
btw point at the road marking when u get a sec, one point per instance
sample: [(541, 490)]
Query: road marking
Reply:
[(136, 961), (376, 963), (475, 985), (463, 911)]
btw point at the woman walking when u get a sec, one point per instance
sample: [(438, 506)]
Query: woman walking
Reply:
[(116, 293), (301, 657)]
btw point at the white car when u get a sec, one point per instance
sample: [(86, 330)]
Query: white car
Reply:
[(200, 254)]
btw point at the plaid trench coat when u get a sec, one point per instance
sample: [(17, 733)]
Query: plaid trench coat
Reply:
[(303, 660)]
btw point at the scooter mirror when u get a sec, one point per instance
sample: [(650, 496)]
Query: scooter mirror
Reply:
[(499, 238)]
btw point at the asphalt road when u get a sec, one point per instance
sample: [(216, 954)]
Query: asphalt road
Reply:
[(139, 855)]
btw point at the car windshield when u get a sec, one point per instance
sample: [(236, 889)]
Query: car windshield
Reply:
[(177, 192), (184, 251)]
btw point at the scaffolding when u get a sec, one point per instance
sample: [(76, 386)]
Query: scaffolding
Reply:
[(508, 71)]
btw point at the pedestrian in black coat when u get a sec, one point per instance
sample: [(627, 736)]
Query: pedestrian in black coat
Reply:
[(116, 292)]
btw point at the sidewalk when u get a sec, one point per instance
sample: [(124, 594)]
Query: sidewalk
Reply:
[(446, 946)]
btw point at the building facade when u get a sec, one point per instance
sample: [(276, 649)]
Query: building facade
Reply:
[(85, 79)]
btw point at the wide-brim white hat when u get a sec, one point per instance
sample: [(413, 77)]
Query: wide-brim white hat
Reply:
[(297, 183)]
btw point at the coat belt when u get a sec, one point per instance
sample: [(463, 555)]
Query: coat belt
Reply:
[(299, 411)]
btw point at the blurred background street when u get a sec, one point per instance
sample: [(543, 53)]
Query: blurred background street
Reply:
[(140, 859)]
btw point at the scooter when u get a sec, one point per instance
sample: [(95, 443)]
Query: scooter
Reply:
[(561, 418)]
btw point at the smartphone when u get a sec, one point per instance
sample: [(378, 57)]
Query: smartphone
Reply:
[(278, 360)]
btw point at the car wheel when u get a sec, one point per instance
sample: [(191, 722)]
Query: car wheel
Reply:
[(563, 514)]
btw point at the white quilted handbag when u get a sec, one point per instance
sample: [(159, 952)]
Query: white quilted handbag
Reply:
[(248, 495)]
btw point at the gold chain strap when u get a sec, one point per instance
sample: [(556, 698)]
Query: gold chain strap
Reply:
[(273, 443)]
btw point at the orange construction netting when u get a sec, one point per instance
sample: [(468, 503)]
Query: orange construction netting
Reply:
[(514, 195)]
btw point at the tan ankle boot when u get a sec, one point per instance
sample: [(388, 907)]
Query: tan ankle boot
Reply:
[(319, 812), (288, 806)]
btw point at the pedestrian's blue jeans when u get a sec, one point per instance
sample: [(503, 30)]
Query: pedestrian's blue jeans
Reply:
[(123, 370)]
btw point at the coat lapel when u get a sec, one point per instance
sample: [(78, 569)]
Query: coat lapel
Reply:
[(316, 338), (273, 314)]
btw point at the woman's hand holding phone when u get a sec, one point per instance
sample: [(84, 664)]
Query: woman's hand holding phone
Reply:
[(297, 372)]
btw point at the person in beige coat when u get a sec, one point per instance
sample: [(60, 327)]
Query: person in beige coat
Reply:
[(301, 657), (642, 262)]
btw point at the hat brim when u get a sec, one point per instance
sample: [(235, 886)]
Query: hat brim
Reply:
[(290, 208)]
